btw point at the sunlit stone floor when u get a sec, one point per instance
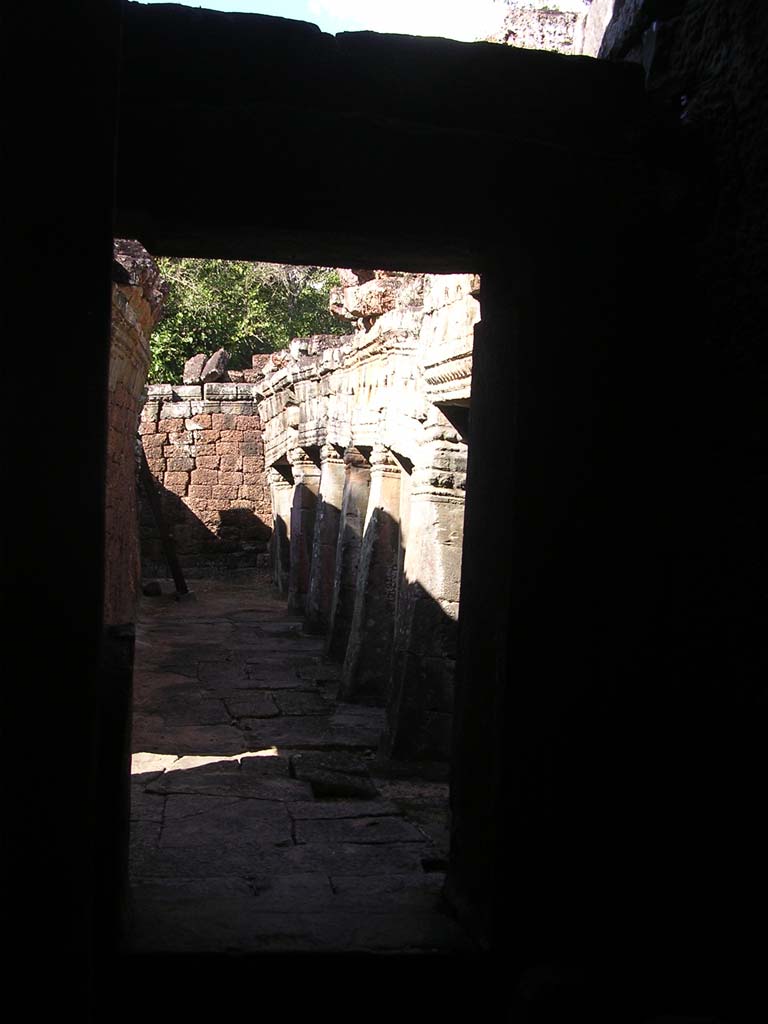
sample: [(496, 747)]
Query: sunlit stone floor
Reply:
[(261, 820)]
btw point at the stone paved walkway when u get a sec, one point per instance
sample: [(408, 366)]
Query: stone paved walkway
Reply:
[(260, 820)]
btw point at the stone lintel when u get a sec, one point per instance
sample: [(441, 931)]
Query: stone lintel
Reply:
[(331, 453)]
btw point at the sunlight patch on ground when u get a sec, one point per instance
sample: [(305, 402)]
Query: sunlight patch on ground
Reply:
[(146, 761)]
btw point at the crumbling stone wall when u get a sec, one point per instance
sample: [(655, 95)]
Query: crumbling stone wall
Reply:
[(365, 439), (203, 444), (137, 297), (565, 26)]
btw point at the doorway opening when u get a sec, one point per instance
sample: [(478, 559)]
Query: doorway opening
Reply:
[(292, 716)]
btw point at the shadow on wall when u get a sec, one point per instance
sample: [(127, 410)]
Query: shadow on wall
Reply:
[(230, 538), (393, 635)]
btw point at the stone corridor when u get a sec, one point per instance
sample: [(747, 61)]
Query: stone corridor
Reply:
[(261, 819)]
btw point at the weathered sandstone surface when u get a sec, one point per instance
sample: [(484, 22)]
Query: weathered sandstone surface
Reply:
[(137, 296), (203, 446), (365, 440)]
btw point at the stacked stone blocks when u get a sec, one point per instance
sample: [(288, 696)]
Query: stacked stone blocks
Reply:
[(203, 444)]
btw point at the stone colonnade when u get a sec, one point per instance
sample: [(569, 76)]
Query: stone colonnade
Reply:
[(365, 441)]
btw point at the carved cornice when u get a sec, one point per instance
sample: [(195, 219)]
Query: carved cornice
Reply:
[(330, 455), (383, 462)]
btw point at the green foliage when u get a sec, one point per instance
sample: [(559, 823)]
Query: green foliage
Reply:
[(241, 307)]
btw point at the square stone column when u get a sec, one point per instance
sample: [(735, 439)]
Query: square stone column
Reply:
[(281, 491), (365, 675), (325, 541), (420, 704), (354, 504), (306, 486)]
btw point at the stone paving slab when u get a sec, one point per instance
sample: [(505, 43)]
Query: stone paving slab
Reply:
[(274, 680), (348, 761), (326, 784), (301, 892), (144, 841), (191, 818), (275, 629), (335, 773), (380, 829), (311, 732), (264, 766), (302, 703), (171, 889), (242, 675), (254, 704), (212, 811), (297, 649), (197, 712), (146, 764), (184, 653), (184, 624), (303, 810), (360, 735), (214, 673), (152, 658), (242, 784), (203, 710), (324, 671), (352, 858), (199, 861), (206, 764), (151, 732), (153, 689), (257, 825), (146, 806)]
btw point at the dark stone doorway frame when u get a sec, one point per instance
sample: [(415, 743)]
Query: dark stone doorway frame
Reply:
[(577, 114), (66, 221)]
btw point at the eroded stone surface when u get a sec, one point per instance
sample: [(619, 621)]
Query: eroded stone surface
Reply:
[(365, 439), (193, 368), (215, 367), (340, 808), (302, 703), (266, 847), (380, 829), (137, 296), (252, 705)]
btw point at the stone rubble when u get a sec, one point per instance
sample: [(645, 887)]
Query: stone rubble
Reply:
[(215, 368)]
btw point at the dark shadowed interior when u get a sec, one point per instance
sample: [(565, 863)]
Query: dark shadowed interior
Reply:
[(608, 844)]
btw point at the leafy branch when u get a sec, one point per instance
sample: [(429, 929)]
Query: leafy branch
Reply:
[(242, 307)]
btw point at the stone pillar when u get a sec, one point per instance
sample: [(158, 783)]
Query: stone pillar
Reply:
[(406, 469), (420, 704), (281, 491), (365, 675), (354, 504), (306, 485), (325, 542)]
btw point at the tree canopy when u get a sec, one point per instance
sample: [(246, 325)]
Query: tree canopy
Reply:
[(242, 307)]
